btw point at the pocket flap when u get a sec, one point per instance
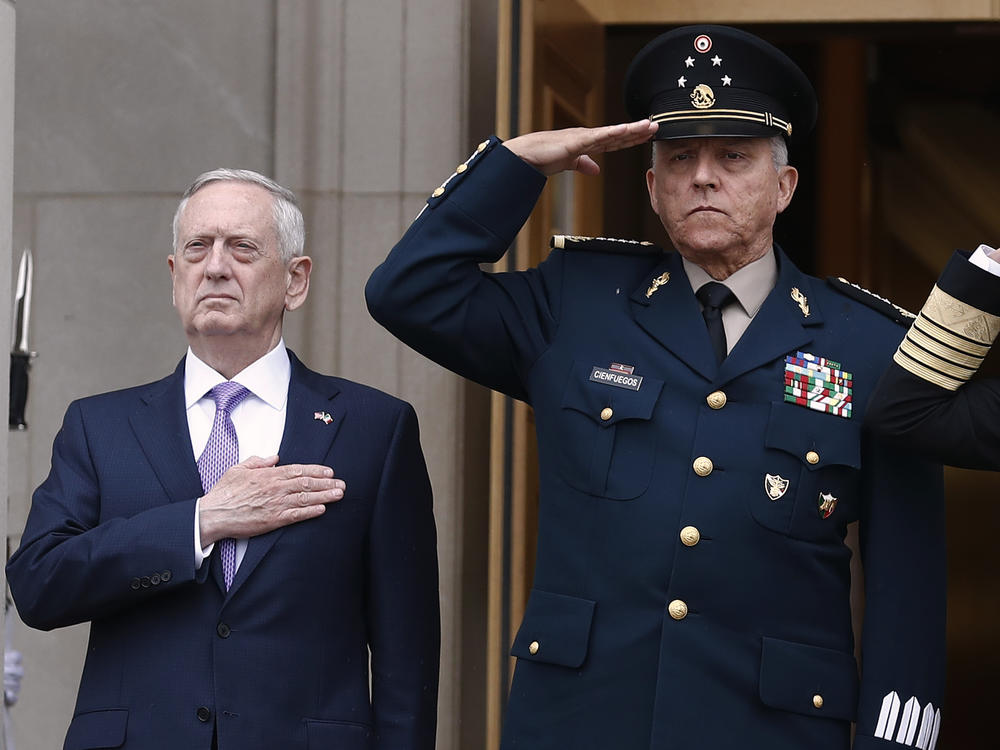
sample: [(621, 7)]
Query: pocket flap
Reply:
[(798, 430), (795, 677), (97, 729), (591, 398), (555, 629)]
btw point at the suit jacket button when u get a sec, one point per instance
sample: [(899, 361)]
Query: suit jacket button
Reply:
[(223, 630), (134, 584), (690, 536), (716, 399), (703, 466), (155, 579), (204, 713), (678, 609), (606, 413), (812, 457), (533, 648), (144, 582), (166, 575), (818, 700)]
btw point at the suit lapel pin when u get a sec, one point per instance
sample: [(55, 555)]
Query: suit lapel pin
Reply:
[(323, 417), (799, 297), (659, 281), (775, 486), (827, 504)]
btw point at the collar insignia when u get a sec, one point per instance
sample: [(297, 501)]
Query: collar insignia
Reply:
[(659, 281)]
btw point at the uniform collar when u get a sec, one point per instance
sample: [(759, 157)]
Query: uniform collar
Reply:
[(267, 378), (750, 285)]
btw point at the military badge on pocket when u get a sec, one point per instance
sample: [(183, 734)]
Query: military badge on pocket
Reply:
[(775, 486), (827, 504)]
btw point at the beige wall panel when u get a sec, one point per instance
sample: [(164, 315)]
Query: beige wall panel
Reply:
[(309, 93), (101, 318), (787, 11), (366, 351), (373, 92), (312, 330), (433, 92), (7, 24), (105, 88), (52, 667)]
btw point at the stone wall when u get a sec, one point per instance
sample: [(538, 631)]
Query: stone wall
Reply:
[(361, 107)]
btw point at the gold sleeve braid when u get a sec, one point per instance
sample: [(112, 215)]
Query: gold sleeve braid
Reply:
[(948, 341)]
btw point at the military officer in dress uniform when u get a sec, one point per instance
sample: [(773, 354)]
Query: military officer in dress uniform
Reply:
[(699, 418), (925, 397)]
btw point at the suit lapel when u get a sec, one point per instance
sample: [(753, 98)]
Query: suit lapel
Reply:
[(780, 326), (160, 425), (670, 314), (312, 419)]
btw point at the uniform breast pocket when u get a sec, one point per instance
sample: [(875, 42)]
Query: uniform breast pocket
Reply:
[(606, 441), (811, 477)]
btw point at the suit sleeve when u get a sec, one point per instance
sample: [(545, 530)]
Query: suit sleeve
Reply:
[(926, 399), (73, 566), (902, 536), (403, 597), (431, 293)]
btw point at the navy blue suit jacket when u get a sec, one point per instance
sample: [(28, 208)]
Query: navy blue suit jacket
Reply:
[(692, 585), (281, 660)]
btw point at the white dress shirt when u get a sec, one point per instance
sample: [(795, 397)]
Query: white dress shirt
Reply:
[(750, 285), (984, 261), (259, 419)]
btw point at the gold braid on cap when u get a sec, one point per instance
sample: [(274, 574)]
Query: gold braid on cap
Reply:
[(763, 118)]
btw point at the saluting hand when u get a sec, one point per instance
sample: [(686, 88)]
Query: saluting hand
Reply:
[(258, 496), (552, 151)]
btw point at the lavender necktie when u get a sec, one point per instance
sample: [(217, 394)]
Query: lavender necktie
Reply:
[(221, 452)]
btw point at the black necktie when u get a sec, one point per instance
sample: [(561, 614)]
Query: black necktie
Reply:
[(714, 296)]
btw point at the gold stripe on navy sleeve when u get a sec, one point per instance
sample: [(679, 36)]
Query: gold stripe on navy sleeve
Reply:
[(947, 342)]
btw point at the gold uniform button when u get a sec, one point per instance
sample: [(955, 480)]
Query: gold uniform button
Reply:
[(716, 399), (533, 648), (461, 168), (818, 700), (678, 609), (438, 193), (812, 457), (482, 146), (703, 466), (690, 536), (606, 413)]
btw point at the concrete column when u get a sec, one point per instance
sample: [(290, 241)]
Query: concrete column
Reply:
[(370, 117), (6, 202), (360, 107), (120, 104)]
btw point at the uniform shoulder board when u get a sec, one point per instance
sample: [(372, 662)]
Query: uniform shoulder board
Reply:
[(872, 300), (603, 245)]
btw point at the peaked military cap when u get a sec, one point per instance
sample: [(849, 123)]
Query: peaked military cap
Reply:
[(718, 81)]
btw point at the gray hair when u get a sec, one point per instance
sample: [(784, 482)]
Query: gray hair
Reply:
[(288, 221), (779, 151)]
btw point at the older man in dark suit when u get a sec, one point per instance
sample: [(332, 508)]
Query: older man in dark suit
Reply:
[(240, 594)]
